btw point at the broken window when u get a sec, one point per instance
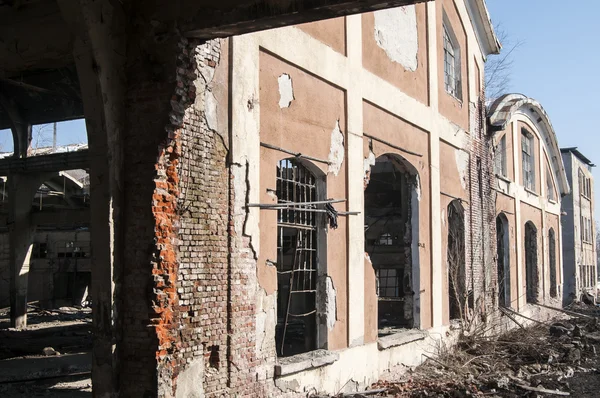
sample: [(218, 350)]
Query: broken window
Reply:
[(500, 159), (390, 240), (531, 262), (297, 259), (503, 259), (528, 160), (552, 257), (457, 276), (452, 69)]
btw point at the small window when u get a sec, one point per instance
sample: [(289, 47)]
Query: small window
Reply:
[(452, 78), (528, 160), (500, 160), (385, 240)]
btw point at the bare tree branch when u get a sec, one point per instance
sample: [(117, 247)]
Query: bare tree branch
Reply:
[(498, 68)]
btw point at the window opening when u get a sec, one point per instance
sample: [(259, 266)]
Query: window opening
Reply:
[(457, 275), (531, 263), (452, 79), (500, 160), (528, 160), (297, 263), (552, 254), (502, 246), (550, 194), (390, 211)]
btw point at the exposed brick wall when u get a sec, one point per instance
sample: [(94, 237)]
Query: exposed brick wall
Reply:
[(482, 215)]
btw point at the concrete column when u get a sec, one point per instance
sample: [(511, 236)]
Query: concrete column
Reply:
[(21, 190), (99, 53)]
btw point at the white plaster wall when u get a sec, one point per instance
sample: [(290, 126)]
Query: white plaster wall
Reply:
[(396, 33)]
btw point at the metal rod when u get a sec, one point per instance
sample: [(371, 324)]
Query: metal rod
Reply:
[(320, 202), (296, 154), (392, 145), (576, 314)]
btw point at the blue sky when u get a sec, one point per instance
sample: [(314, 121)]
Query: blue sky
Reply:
[(557, 64), (71, 132)]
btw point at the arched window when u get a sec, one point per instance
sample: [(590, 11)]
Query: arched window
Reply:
[(552, 262), (503, 259), (457, 274), (297, 258), (531, 262)]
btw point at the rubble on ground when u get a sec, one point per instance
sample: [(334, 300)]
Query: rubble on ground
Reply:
[(557, 358)]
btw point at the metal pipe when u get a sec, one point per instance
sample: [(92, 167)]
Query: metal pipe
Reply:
[(296, 154)]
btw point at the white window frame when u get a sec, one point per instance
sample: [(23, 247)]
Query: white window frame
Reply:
[(452, 61)]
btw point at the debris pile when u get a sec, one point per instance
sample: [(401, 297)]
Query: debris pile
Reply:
[(559, 358)]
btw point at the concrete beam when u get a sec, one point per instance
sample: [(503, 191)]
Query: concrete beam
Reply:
[(62, 218), (21, 129), (228, 18), (46, 163)]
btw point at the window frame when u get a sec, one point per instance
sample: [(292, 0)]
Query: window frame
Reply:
[(528, 160), (453, 66), (501, 163)]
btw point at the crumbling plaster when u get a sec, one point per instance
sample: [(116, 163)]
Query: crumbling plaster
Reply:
[(396, 33)]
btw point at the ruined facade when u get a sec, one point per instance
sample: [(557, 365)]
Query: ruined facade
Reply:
[(530, 183), (357, 167), (579, 227)]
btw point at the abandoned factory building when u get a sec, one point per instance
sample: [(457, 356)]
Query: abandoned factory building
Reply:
[(579, 230), (299, 209), (530, 182)]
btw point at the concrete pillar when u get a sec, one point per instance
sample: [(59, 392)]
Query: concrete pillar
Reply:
[(21, 189)]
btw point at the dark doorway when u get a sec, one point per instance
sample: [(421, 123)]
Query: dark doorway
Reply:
[(552, 262)]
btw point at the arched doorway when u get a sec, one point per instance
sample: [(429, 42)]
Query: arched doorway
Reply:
[(503, 260), (457, 274), (552, 262), (391, 240), (531, 262)]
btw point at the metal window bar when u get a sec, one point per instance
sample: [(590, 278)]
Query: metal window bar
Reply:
[(297, 229)]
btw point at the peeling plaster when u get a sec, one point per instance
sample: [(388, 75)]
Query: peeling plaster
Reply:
[(367, 164), (266, 320), (286, 92), (462, 164), (327, 307), (337, 151), (418, 187), (210, 110), (396, 33), (189, 382), (330, 303)]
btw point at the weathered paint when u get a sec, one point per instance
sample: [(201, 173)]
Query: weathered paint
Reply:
[(396, 33)]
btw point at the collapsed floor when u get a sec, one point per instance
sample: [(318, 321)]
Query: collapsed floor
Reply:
[(51, 358), (558, 358)]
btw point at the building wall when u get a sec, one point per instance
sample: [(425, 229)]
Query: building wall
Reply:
[(521, 205), (294, 88), (579, 255)]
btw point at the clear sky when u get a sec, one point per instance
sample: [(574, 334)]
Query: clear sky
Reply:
[(558, 64)]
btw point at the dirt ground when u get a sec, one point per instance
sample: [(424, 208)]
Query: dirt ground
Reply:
[(51, 358)]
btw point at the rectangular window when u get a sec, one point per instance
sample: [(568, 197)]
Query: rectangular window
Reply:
[(550, 186), (528, 160), (451, 63), (500, 161)]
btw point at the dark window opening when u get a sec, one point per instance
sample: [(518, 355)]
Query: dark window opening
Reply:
[(457, 273), (389, 241), (503, 261), (552, 254), (297, 260), (531, 263), (40, 250)]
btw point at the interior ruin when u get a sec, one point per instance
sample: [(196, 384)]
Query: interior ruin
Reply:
[(457, 273), (390, 239), (503, 260)]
